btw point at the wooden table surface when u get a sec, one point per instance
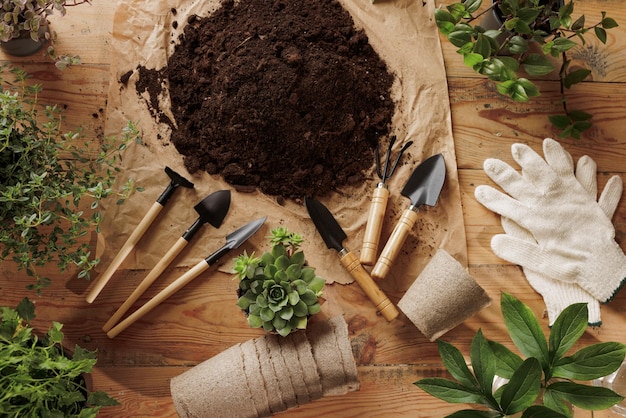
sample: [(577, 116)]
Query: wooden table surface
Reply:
[(201, 320)]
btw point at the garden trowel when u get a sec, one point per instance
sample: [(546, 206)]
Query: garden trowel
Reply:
[(212, 209), (233, 240), (422, 188), (176, 181), (333, 236)]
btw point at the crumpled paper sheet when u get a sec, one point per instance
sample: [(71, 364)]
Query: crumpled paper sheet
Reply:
[(404, 35)]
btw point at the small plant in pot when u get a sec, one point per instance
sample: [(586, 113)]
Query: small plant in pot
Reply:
[(528, 36), (545, 384), (278, 291), (39, 379), (50, 183), (24, 28)]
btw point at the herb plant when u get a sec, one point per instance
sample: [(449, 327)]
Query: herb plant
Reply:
[(50, 186), (544, 383), (500, 54), (29, 16), (277, 291), (37, 378)]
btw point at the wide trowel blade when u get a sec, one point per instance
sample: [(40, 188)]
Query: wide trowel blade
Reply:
[(326, 224), (425, 184), (213, 208)]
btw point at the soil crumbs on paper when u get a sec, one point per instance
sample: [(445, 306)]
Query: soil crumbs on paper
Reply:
[(287, 96)]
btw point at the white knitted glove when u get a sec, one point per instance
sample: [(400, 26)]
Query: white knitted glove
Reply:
[(574, 239), (558, 295)]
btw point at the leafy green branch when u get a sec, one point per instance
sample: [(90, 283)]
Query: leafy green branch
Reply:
[(542, 385), (501, 53)]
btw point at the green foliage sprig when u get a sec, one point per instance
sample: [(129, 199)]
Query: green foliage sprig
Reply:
[(50, 186), (547, 371), (37, 379), (29, 16), (277, 291), (499, 54)]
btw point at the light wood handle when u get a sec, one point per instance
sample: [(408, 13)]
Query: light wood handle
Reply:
[(371, 289), (128, 246), (394, 245), (146, 282), (374, 225), (174, 287)]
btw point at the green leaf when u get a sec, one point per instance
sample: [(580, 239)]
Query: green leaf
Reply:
[(609, 23), (483, 362), (267, 314), (591, 398), (540, 411), (316, 285), (100, 398), (592, 362), (567, 329), (537, 65), (507, 361), (600, 34), (255, 321), (455, 363), (472, 59), (482, 46), (553, 401), (523, 388), (449, 391), (445, 21), (517, 45), (563, 44), (26, 310), (459, 38), (560, 121), (472, 5), (575, 77), (524, 329)]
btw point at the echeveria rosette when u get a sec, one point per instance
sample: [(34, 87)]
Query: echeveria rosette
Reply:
[(277, 291)]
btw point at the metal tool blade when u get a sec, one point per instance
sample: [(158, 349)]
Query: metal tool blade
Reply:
[(326, 224), (425, 184), (235, 239)]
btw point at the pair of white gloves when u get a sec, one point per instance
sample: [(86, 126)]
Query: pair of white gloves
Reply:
[(556, 231)]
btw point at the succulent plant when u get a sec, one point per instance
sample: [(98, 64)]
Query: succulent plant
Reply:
[(278, 291)]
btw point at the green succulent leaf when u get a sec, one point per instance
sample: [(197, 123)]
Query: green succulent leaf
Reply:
[(294, 298), (314, 308), (591, 398), (293, 272), (282, 262), (308, 274), (524, 329), (278, 251), (300, 309), (279, 322), (284, 331), (299, 322), (300, 286), (316, 285), (298, 258), (309, 297), (255, 321), (267, 314), (286, 313), (243, 302), (523, 387), (267, 259), (449, 390)]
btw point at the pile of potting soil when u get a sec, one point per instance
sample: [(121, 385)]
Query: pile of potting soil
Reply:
[(286, 96)]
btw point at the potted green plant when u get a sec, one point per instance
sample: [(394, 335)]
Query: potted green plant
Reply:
[(50, 184), (24, 27), (545, 384), (530, 35), (37, 377), (278, 291)]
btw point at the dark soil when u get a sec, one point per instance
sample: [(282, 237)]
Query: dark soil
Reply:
[(283, 95)]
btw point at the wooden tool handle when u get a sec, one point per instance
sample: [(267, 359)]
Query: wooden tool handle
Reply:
[(128, 246), (174, 287), (146, 282), (394, 245), (371, 289), (374, 225)]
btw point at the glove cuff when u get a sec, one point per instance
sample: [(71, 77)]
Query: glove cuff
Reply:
[(559, 295), (605, 275)]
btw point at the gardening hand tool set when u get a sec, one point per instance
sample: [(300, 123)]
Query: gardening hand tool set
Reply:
[(233, 240), (378, 205), (176, 181), (212, 209), (555, 229)]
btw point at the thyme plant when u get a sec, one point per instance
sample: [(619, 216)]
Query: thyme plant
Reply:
[(50, 184)]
